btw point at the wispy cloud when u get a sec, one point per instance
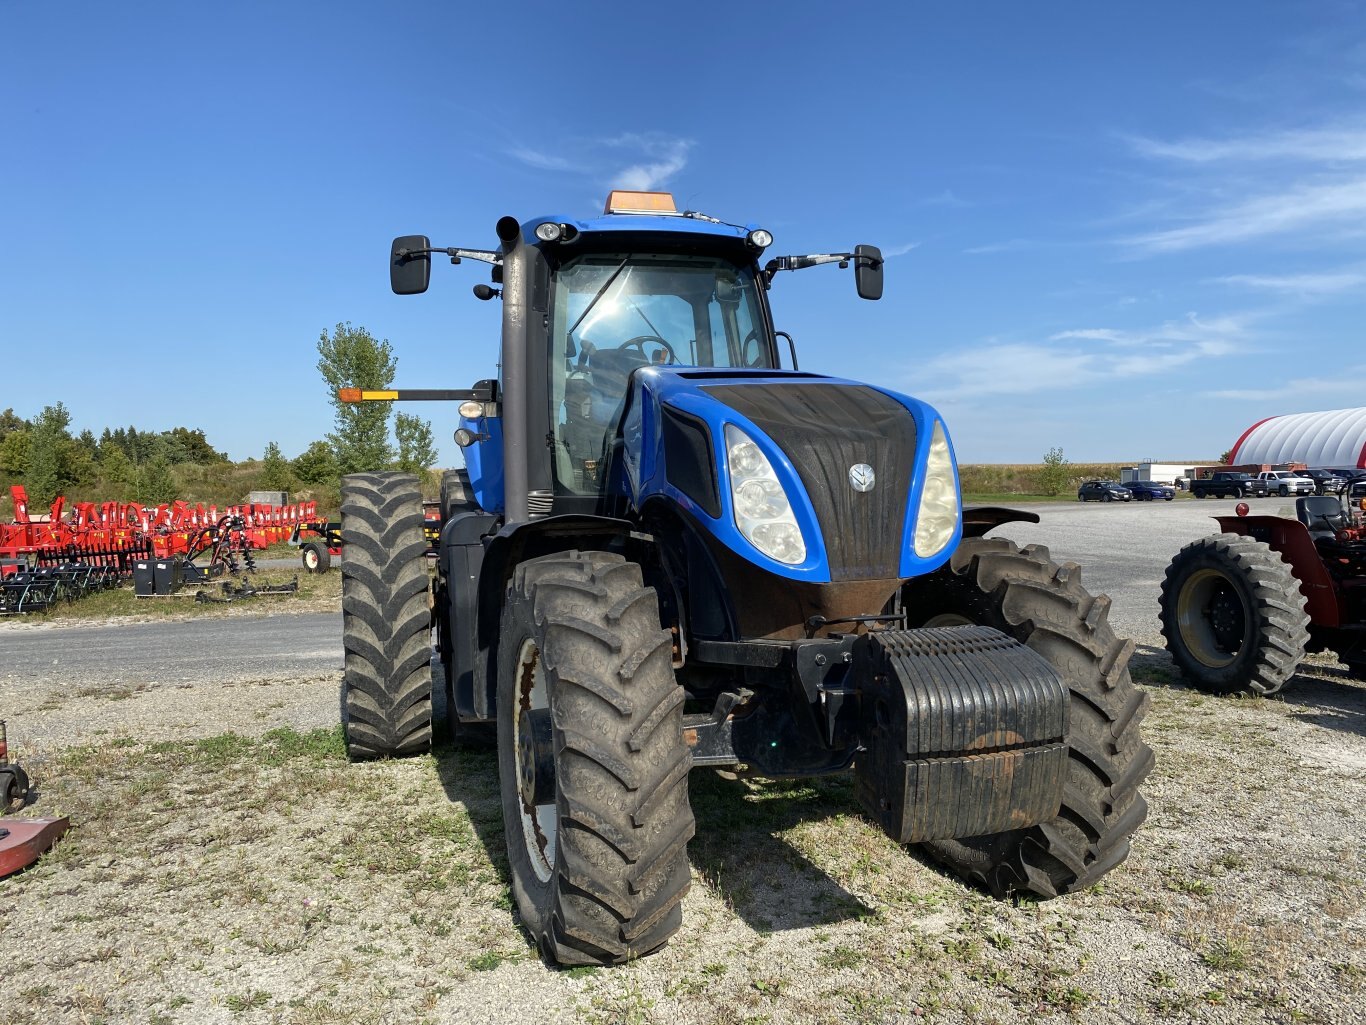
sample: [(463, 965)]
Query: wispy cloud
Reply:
[(1339, 143), (543, 161), (946, 198), (1310, 180), (1009, 246), (1352, 382), (1340, 205), (1017, 368), (633, 160), (1322, 283), (664, 157), (901, 250)]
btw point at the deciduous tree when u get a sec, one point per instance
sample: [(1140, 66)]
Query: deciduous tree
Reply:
[(1055, 475), (353, 358), (317, 464), (416, 446), (47, 473), (275, 475)]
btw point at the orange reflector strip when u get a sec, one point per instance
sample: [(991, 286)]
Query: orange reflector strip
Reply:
[(621, 202), (361, 395)]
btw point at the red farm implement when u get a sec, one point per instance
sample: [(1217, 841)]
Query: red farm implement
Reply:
[(45, 559)]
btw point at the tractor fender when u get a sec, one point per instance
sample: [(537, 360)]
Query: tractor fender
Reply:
[(977, 521), (1290, 539), (516, 543)]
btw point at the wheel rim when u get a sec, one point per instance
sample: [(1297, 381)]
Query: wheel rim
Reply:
[(310, 558), (949, 619), (540, 821), (1213, 618)]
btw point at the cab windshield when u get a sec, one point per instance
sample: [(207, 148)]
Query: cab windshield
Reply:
[(616, 312)]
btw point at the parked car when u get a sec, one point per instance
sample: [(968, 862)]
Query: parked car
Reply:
[(1103, 491), (1327, 482), (1285, 483), (1228, 484), (1149, 491)]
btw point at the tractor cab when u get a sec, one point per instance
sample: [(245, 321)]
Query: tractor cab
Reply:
[(587, 303), (616, 312)]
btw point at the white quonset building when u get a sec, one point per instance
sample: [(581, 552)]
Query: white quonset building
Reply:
[(1332, 438)]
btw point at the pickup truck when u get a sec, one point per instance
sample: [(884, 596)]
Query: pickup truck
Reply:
[(1227, 484), (1285, 483)]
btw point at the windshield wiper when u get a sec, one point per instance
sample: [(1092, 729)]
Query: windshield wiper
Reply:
[(601, 291)]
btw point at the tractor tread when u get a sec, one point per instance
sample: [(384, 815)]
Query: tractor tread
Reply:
[(1279, 633), (456, 495), (616, 888), (385, 618), (1043, 605)]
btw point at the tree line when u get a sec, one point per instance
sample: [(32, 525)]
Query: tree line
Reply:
[(130, 464)]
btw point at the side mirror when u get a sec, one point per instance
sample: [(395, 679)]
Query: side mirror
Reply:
[(410, 265), (868, 271)]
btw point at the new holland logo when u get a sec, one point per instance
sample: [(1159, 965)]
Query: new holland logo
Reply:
[(861, 477)]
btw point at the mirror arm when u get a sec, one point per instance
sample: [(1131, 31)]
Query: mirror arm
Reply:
[(802, 262), (455, 253)]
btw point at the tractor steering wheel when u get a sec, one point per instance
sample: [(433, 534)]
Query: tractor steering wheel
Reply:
[(639, 342), (757, 360)]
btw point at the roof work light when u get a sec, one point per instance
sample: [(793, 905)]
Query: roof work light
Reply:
[(623, 202)]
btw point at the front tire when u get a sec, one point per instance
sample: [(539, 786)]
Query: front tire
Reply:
[(1233, 615), (989, 581), (591, 759), (386, 620)]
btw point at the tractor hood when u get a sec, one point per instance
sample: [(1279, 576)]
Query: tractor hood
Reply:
[(851, 460)]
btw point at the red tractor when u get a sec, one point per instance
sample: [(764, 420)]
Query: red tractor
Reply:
[(1240, 608)]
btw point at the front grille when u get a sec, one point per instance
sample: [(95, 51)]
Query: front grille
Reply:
[(825, 429)]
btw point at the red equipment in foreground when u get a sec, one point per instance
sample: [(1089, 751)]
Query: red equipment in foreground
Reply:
[(22, 841), (1241, 608)]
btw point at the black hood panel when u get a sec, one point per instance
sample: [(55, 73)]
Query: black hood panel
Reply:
[(825, 429)]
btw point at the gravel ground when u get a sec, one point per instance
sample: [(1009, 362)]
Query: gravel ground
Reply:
[(253, 876)]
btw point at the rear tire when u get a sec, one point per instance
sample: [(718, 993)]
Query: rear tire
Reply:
[(457, 495), (1233, 615), (1023, 593), (597, 845), (386, 618)]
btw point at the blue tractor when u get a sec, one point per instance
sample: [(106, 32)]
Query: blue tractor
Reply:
[(666, 552)]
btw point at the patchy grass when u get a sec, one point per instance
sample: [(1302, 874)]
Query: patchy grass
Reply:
[(264, 878)]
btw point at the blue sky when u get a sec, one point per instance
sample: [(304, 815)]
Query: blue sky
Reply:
[(1127, 230)]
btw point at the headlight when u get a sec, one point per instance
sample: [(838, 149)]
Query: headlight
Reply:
[(938, 515), (762, 511)]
